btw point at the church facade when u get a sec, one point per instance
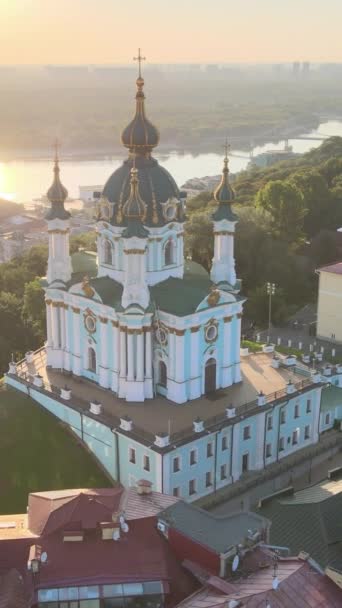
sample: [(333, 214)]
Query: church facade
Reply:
[(150, 322)]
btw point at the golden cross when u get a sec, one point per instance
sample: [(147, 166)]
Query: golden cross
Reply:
[(56, 146), (226, 148), (139, 59)]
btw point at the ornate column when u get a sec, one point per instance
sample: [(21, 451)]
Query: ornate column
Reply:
[(76, 355), (123, 370), (236, 346), (228, 352), (140, 356), (115, 346), (130, 355), (195, 375), (49, 324), (103, 369), (148, 352)]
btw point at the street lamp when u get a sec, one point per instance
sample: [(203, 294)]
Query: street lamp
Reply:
[(271, 288)]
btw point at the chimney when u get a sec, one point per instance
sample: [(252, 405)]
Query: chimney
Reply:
[(144, 487), (290, 387), (126, 423), (198, 425), (261, 398), (162, 440)]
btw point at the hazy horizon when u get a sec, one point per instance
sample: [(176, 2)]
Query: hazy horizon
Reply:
[(36, 32)]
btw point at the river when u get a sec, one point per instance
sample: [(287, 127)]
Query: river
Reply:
[(23, 181)]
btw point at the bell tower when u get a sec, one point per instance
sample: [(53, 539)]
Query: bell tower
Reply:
[(224, 220), (58, 220)]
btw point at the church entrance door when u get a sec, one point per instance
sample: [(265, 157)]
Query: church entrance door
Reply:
[(210, 376)]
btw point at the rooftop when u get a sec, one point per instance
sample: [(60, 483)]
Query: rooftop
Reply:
[(50, 511), (332, 268), (317, 508), (156, 415), (219, 533), (300, 586)]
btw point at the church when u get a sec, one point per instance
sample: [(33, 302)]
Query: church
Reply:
[(150, 321)]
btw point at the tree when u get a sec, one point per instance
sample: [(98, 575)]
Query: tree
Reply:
[(316, 199), (33, 310), (199, 241), (284, 202)]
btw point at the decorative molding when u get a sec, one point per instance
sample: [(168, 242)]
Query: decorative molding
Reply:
[(59, 231), (48, 302), (103, 319), (223, 233), (65, 306), (213, 297), (87, 289), (179, 332), (146, 329), (179, 234), (227, 319), (57, 304), (76, 310), (135, 251), (194, 329), (115, 323), (239, 315), (159, 238)]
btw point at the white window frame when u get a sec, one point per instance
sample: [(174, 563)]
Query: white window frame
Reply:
[(132, 449), (195, 450), (179, 462), (194, 482), (245, 428)]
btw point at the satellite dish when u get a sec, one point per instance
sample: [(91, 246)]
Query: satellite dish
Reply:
[(124, 527), (235, 563), (116, 534), (275, 584), (43, 557)]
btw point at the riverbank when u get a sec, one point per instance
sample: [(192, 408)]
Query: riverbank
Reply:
[(211, 144)]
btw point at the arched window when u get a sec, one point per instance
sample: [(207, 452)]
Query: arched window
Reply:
[(170, 252), (108, 252), (162, 374), (210, 376), (91, 359)]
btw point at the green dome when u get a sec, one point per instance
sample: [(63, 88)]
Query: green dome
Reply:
[(57, 194), (140, 135), (156, 186)]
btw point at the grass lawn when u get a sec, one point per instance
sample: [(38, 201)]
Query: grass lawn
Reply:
[(38, 453)]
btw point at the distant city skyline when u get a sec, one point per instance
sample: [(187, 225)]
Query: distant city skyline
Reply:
[(184, 31)]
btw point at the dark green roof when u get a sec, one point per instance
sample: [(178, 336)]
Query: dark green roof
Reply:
[(331, 398), (57, 195), (182, 296), (110, 291), (156, 186), (219, 533), (310, 521), (135, 228), (140, 134), (224, 212)]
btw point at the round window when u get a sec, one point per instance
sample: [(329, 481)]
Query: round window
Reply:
[(161, 335), (90, 323), (211, 333)]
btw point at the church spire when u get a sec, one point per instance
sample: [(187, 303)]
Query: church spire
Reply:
[(57, 194), (140, 136), (224, 194)]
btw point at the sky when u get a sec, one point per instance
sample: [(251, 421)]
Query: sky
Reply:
[(169, 31)]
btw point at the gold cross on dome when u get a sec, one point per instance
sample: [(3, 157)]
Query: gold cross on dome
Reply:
[(139, 59), (226, 148), (56, 146)]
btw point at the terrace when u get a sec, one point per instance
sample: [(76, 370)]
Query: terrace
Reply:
[(159, 415)]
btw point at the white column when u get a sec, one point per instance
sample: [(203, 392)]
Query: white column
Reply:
[(67, 364), (172, 355), (236, 346), (180, 356), (140, 357), (76, 359), (177, 388), (49, 324), (103, 370), (228, 351), (122, 352), (195, 376), (148, 353), (130, 357)]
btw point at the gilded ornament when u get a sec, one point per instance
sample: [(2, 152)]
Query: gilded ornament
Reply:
[(86, 288), (213, 297)]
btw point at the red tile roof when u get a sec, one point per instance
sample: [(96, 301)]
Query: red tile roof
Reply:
[(300, 586), (12, 591), (84, 508), (333, 268)]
